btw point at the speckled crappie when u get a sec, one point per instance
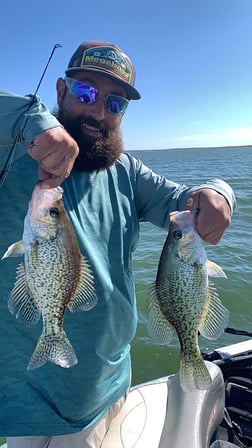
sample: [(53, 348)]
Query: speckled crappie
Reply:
[(182, 298), (53, 277)]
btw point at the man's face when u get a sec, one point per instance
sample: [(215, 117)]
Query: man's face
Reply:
[(95, 130)]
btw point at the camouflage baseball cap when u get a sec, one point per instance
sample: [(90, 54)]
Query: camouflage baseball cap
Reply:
[(107, 59)]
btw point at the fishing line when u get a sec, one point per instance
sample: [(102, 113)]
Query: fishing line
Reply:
[(18, 137)]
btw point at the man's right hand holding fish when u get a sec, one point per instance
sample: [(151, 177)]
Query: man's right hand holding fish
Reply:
[(55, 151)]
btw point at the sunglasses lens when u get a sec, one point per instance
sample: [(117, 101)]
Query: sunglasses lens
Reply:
[(84, 92), (116, 104), (88, 95)]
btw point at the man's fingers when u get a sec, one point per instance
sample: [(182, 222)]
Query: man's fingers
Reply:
[(50, 180), (55, 151), (213, 214)]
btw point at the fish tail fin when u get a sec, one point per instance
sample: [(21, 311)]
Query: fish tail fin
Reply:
[(194, 374), (56, 349)]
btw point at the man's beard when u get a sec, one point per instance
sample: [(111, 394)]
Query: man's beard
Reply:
[(95, 154)]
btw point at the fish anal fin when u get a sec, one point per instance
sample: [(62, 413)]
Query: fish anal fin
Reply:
[(216, 316), (14, 250), (84, 298), (214, 270), (57, 350), (158, 327), (21, 302)]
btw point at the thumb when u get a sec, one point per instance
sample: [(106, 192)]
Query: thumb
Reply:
[(193, 202), (48, 180)]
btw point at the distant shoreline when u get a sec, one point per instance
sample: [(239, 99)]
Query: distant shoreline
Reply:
[(194, 148)]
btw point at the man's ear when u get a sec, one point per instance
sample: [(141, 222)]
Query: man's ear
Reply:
[(61, 90)]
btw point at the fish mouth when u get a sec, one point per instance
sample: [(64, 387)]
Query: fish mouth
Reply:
[(45, 198), (58, 189), (55, 194)]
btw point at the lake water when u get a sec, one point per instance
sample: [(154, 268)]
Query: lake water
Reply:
[(233, 253)]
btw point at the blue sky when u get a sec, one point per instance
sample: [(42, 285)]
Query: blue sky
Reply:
[(193, 60)]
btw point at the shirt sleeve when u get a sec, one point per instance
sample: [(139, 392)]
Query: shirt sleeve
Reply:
[(23, 117), (156, 194)]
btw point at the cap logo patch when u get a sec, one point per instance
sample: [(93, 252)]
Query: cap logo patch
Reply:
[(109, 60)]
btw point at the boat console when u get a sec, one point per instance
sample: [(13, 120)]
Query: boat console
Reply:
[(159, 414)]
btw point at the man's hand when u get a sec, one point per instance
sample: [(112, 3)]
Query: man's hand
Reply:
[(213, 214), (55, 151)]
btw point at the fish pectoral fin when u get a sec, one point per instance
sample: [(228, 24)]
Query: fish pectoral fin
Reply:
[(15, 250), (158, 327), (21, 302), (56, 349), (216, 317), (85, 298), (214, 270)]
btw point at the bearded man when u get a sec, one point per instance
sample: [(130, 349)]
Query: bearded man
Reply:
[(106, 194)]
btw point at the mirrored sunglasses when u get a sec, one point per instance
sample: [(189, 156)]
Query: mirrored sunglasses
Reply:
[(88, 95)]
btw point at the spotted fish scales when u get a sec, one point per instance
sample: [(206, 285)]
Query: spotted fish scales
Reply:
[(183, 299), (54, 277)]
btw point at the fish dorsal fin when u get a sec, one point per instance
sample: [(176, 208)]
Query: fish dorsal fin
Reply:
[(216, 319), (158, 327), (85, 298), (21, 302), (14, 250), (214, 270)]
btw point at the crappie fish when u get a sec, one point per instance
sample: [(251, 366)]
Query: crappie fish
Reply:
[(182, 298), (53, 277)]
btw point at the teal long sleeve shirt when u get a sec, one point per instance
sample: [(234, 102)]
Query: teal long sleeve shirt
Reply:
[(105, 208)]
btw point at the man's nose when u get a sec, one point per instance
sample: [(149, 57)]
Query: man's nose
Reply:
[(97, 109)]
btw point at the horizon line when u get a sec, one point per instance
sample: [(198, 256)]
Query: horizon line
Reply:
[(194, 147)]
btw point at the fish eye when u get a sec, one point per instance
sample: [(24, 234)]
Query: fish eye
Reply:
[(54, 212), (177, 234)]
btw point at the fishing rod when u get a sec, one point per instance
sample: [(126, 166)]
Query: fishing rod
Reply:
[(8, 161), (238, 332), (46, 67)]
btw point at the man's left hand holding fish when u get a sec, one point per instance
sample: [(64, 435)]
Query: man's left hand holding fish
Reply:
[(213, 214)]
